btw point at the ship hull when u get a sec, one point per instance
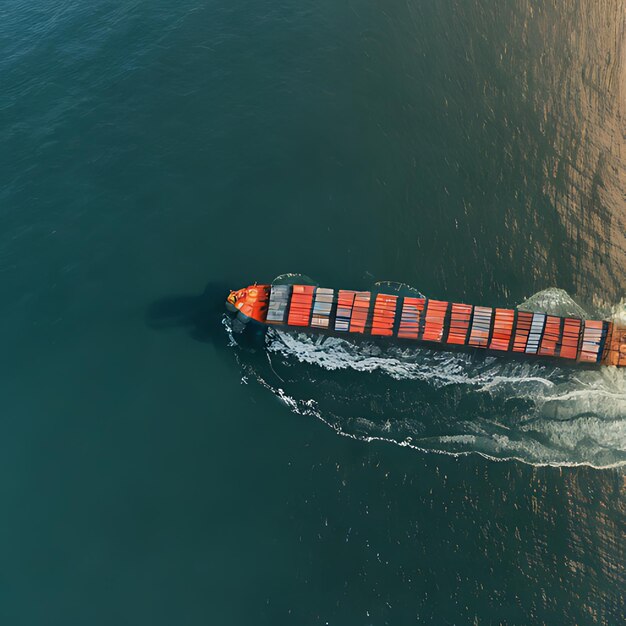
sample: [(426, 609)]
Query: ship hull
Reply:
[(418, 321)]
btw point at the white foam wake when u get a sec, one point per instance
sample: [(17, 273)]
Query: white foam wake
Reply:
[(457, 403)]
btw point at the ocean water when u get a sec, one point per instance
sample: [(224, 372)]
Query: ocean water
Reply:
[(154, 155)]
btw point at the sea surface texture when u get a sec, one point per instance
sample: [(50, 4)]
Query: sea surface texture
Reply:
[(156, 153)]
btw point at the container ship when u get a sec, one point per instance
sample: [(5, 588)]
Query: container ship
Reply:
[(433, 323)]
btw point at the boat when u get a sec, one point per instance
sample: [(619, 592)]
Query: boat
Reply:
[(412, 318)]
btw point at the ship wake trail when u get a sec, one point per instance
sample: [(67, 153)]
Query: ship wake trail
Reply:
[(454, 403)]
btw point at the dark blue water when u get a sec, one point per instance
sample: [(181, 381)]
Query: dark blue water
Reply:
[(153, 473)]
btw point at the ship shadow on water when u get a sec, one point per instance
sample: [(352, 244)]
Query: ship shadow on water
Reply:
[(200, 315)]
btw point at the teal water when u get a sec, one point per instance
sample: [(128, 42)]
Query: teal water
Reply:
[(153, 473)]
